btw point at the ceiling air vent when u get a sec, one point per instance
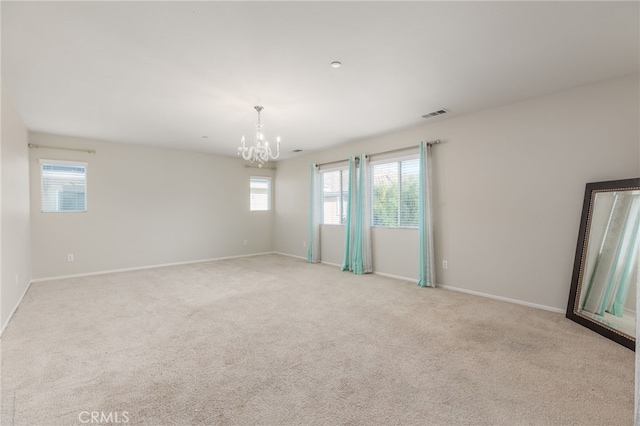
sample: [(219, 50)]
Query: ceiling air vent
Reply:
[(434, 113)]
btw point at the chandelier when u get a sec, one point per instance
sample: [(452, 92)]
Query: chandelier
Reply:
[(260, 151)]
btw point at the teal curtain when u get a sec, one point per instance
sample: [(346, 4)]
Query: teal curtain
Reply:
[(349, 224), (315, 196), (427, 273), (362, 259)]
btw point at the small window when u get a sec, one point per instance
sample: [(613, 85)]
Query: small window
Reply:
[(64, 186), (394, 194), (260, 189), (335, 189)]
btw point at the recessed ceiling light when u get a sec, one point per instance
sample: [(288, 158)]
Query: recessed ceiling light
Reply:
[(336, 64)]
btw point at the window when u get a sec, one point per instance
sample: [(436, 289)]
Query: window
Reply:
[(394, 194), (335, 185), (64, 186), (260, 190)]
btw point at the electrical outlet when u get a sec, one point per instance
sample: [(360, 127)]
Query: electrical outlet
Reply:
[(245, 242), (17, 279), (69, 258), (445, 264), (304, 244)]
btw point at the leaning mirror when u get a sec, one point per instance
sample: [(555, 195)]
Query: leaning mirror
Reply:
[(605, 273)]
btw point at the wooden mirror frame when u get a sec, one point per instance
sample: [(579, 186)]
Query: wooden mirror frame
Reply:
[(591, 191)]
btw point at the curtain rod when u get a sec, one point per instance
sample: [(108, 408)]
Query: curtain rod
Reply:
[(335, 162), (380, 153), (407, 147), (36, 146)]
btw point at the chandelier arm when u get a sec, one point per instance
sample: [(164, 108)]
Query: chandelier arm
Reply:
[(247, 154), (241, 148)]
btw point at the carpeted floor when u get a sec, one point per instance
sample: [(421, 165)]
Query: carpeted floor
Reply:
[(272, 340)]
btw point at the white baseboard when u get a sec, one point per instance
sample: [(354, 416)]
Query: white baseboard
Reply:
[(478, 293), (304, 258), (138, 268), (15, 308), (290, 255), (504, 299), (397, 277)]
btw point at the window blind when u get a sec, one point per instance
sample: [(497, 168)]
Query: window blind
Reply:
[(260, 193), (63, 186), (395, 193)]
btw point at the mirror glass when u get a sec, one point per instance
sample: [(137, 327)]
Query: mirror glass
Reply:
[(606, 272)]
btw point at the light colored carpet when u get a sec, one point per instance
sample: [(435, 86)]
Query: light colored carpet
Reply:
[(272, 340)]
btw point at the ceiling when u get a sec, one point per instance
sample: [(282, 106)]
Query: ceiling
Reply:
[(187, 75)]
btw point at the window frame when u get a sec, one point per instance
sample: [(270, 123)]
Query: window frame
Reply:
[(84, 164), (268, 179), (391, 159), (342, 208)]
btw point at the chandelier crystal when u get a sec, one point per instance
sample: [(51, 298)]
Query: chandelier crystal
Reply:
[(260, 151)]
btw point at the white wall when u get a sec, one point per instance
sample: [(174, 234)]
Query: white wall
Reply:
[(146, 206), (15, 252), (508, 190)]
